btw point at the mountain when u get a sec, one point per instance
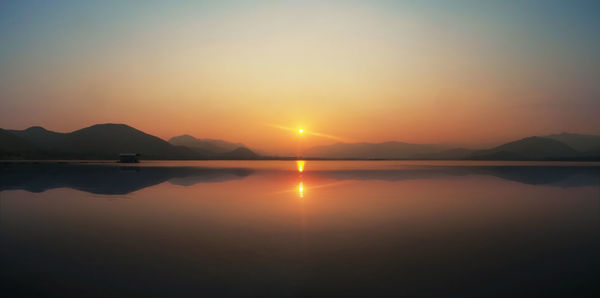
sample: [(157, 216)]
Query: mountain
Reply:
[(556, 147), (107, 141), (387, 150), (239, 153), (102, 141), (579, 142), (41, 137), (209, 145), (531, 148), (449, 154), (12, 146)]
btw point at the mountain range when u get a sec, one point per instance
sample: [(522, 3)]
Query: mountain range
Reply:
[(103, 141), (565, 146), (107, 141), (387, 150)]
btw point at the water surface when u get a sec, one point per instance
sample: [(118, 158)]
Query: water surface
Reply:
[(313, 228)]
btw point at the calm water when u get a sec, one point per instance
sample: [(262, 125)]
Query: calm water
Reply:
[(287, 228)]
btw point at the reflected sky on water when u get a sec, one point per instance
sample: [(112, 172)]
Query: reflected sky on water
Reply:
[(300, 228)]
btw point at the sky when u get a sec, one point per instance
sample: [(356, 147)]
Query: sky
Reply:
[(473, 73)]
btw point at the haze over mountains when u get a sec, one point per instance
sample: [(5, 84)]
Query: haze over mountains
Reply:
[(552, 147), (209, 145), (387, 150), (107, 141)]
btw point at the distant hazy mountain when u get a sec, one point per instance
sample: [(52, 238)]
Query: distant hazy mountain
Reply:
[(579, 142), (239, 153), (531, 148), (209, 145), (449, 154), (387, 150), (556, 147)]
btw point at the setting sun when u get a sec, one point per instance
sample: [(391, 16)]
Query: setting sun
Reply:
[(449, 146)]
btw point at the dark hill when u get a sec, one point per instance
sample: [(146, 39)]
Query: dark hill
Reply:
[(12, 146), (108, 140), (103, 141), (579, 142), (531, 148), (41, 137)]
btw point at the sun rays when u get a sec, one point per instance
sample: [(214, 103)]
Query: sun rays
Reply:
[(303, 131)]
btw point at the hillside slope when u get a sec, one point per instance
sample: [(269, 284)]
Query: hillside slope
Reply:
[(531, 148)]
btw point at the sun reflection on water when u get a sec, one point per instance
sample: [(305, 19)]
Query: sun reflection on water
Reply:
[(300, 164), (301, 189)]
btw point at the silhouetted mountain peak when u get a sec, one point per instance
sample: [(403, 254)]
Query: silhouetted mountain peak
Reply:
[(183, 137), (580, 142), (535, 141), (107, 141), (109, 127), (40, 137), (36, 129), (527, 148), (111, 139)]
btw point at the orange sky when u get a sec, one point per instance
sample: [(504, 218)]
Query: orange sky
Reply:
[(358, 71)]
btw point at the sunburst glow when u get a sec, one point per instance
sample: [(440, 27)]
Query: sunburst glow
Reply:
[(312, 133)]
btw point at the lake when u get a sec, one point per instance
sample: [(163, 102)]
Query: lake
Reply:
[(300, 228)]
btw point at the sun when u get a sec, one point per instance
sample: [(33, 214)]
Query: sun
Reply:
[(300, 131)]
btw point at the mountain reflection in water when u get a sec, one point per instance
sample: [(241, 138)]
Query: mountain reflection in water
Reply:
[(300, 229), (108, 179), (112, 179)]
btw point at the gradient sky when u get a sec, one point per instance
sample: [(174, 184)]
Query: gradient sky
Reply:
[(466, 72)]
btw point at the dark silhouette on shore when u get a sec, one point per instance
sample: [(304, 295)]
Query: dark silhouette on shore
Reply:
[(101, 141), (107, 141)]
